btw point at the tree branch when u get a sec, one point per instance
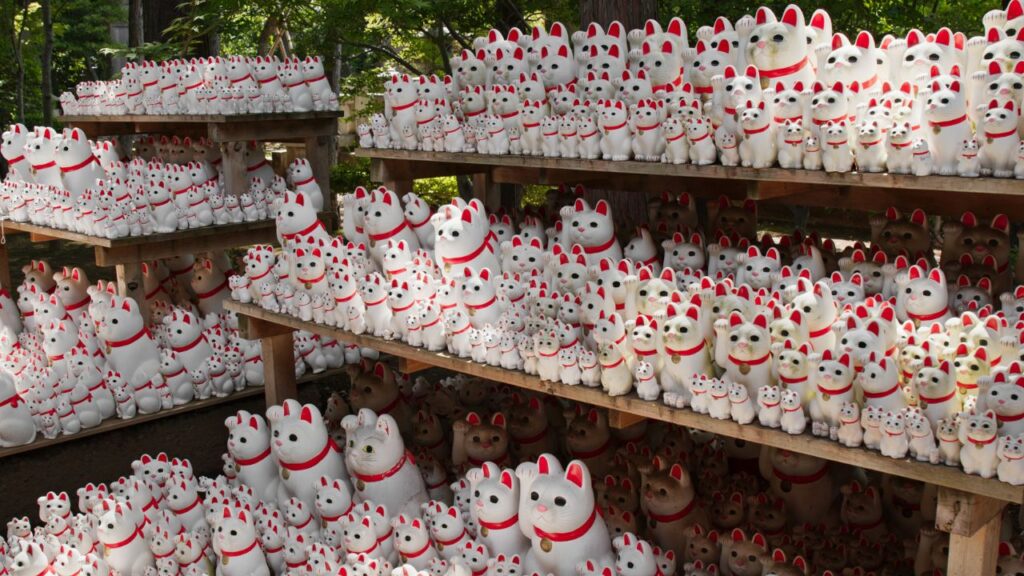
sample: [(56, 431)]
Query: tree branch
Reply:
[(387, 52), (462, 40)]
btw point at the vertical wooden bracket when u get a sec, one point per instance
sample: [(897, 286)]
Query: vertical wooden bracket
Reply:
[(973, 523)]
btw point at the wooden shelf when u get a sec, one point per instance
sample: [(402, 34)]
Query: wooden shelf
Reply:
[(110, 252), (296, 127), (854, 190), (255, 322), (116, 423)]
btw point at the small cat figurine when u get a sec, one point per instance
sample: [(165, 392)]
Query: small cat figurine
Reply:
[(921, 161), (978, 436), (1011, 460), (894, 442), (968, 163)]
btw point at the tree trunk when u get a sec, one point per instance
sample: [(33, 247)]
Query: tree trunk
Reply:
[(157, 17), (632, 14), (46, 59), (17, 43), (265, 46), (135, 28), (628, 211)]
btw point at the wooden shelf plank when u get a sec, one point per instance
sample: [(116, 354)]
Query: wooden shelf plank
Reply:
[(196, 118), (116, 423), (806, 444), (526, 169), (136, 249)]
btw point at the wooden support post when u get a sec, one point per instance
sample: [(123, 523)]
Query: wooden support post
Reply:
[(399, 187), (129, 283), (278, 368), (236, 177), (318, 153), (485, 190), (407, 366), (973, 522), (5, 270)]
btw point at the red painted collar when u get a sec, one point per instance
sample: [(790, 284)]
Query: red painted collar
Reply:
[(191, 506), (835, 120), (330, 445), (785, 70), (80, 165), (756, 130), (679, 515), (242, 552), (190, 345), (50, 164), (948, 123), (995, 135), (938, 400), (418, 553), (308, 230), (1011, 418), (532, 439), (592, 453), (926, 317), (646, 128), (754, 362), (889, 392), (255, 459), (601, 248), (128, 341), (616, 127), (669, 86), (570, 535), (832, 392), (695, 140), (453, 541), (485, 245), (386, 474), (979, 443), (481, 306), (223, 286), (126, 541), (801, 479), (687, 352)]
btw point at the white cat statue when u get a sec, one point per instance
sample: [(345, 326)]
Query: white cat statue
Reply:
[(238, 545), (978, 437), (253, 462), (1011, 460), (946, 113), (119, 531), (495, 504), (309, 456), (560, 542), (870, 149), (898, 152), (385, 474), (769, 406), (616, 143), (894, 442), (793, 420), (758, 148), (836, 155), (968, 164), (921, 158), (999, 148)]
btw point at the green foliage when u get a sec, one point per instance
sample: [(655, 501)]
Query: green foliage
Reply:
[(345, 176), (436, 191)]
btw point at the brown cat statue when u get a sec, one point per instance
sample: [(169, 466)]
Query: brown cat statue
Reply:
[(620, 492), (703, 545), (619, 522), (970, 236), (428, 435), (743, 556), (668, 499), (803, 482), (376, 388), (727, 218), (861, 510), (528, 426), (589, 439), (476, 441), (727, 512), (896, 235), (777, 565)]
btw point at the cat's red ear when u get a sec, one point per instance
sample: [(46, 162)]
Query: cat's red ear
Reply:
[(576, 474)]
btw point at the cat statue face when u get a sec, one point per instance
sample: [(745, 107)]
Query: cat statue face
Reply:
[(921, 54), (779, 48), (852, 62)]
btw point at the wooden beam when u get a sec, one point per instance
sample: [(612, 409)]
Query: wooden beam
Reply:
[(978, 554), (5, 270), (38, 237), (620, 420), (254, 329), (278, 368), (804, 444), (233, 168), (406, 366), (964, 514)]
